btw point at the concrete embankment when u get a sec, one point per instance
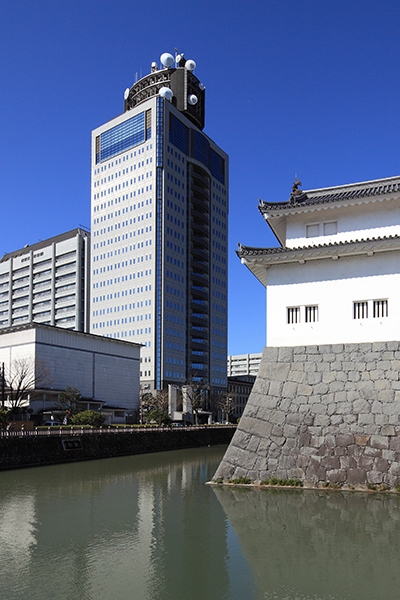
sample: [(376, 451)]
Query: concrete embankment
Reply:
[(31, 450)]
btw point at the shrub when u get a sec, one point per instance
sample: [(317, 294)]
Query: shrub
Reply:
[(88, 417)]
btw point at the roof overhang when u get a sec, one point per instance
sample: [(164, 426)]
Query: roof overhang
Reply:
[(259, 260)]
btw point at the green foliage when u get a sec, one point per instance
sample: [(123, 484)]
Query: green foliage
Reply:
[(68, 400), (283, 482), (219, 480), (371, 486), (88, 417), (3, 418)]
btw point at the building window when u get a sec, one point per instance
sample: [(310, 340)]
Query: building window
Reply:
[(293, 314), (311, 314), (312, 230), (360, 310), (380, 308), (330, 228)]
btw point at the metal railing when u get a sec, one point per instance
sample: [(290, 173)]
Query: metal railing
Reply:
[(74, 431)]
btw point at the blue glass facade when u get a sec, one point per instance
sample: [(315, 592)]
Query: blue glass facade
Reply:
[(122, 137), (179, 134)]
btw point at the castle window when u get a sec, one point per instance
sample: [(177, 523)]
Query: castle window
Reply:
[(360, 310), (311, 314), (380, 308), (330, 228), (293, 314), (312, 230)]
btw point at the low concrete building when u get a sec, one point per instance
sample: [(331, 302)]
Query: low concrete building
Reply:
[(104, 370), (240, 389), (239, 365)]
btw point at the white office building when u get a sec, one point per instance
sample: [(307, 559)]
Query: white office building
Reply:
[(243, 364), (335, 278), (159, 230), (47, 282)]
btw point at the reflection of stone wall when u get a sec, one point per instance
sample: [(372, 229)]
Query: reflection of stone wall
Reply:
[(321, 413), (304, 544)]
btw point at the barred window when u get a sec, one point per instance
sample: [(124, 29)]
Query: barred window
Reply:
[(311, 314), (360, 310), (380, 308), (293, 314)]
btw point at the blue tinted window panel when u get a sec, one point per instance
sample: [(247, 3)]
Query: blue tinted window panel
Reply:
[(217, 166), (179, 134), (200, 148), (121, 137)]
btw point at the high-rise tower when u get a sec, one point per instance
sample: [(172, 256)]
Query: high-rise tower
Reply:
[(160, 229)]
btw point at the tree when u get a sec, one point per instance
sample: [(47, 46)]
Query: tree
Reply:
[(3, 418), (68, 400), (155, 407), (196, 395), (88, 417), (23, 376), (227, 402)]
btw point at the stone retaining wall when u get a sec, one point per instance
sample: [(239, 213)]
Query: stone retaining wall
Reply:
[(30, 451), (321, 414)]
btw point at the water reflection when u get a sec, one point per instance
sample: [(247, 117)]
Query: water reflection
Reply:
[(308, 545), (133, 527)]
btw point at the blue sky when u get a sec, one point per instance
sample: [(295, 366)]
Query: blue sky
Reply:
[(292, 87)]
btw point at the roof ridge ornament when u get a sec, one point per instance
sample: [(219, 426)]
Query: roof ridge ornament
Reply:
[(297, 195)]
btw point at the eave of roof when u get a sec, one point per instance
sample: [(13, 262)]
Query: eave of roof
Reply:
[(258, 259), (361, 192)]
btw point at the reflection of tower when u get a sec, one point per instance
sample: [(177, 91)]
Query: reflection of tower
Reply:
[(159, 229), (140, 527)]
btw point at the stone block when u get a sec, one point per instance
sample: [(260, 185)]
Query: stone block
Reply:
[(315, 472), (322, 421), (290, 431), (381, 442), (299, 349), (344, 440), (392, 375), (336, 348), (294, 419), (321, 388), (285, 354), (253, 443), (277, 431), (376, 407), (356, 476), (375, 452), (310, 367), (381, 419), (336, 475), (314, 378), (241, 439), (336, 386), (278, 440), (296, 376), (379, 346), (299, 358), (267, 404), (347, 462), (270, 354), (381, 465), (388, 430), (361, 406), (374, 477), (286, 404), (394, 469), (366, 462), (330, 462), (365, 419), (304, 390), (361, 440), (386, 396), (275, 388), (304, 439)]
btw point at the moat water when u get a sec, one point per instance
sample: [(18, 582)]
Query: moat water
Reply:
[(147, 528)]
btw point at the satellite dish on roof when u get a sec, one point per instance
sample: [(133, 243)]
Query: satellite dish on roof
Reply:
[(167, 59), (126, 93), (190, 65), (202, 86), (166, 93), (192, 99)]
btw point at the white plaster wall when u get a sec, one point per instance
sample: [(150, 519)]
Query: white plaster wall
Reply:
[(333, 286), (80, 360), (366, 220)]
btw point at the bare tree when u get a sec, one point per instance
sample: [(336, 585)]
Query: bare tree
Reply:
[(23, 376), (227, 403), (197, 395)]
